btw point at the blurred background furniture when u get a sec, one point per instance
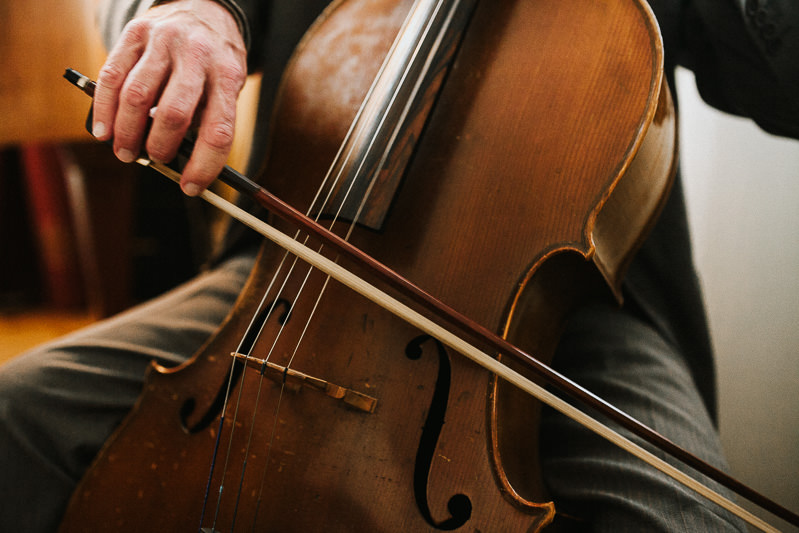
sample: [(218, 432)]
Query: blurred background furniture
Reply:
[(82, 236)]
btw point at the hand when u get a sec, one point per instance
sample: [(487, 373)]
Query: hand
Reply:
[(186, 59)]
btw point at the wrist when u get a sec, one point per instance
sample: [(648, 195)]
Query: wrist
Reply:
[(235, 11)]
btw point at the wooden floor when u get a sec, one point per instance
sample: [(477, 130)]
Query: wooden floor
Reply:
[(26, 329)]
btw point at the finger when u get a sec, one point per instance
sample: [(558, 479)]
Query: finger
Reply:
[(215, 136), (138, 95), (209, 156), (122, 58), (176, 109)]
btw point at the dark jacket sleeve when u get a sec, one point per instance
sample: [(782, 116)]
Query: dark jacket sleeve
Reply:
[(252, 17), (745, 55)]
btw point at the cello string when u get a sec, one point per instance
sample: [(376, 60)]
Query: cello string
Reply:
[(282, 328), (261, 326), (280, 332), (241, 389), (270, 352), (248, 333), (272, 434)]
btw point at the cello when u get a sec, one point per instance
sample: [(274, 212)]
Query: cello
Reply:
[(578, 175)]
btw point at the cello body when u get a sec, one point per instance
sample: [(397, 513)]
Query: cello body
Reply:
[(546, 156)]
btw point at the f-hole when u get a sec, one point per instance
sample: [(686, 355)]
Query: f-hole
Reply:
[(459, 505), (236, 369)]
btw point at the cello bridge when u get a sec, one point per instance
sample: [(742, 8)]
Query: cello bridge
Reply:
[(295, 381)]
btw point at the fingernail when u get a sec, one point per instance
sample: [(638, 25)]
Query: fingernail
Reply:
[(99, 130), (192, 189), (126, 155)]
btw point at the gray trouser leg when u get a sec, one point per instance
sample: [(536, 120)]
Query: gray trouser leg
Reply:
[(624, 361), (61, 401)]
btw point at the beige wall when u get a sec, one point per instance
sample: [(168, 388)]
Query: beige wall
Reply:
[(742, 189)]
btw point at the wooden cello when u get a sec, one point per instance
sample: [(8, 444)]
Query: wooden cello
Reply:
[(543, 153)]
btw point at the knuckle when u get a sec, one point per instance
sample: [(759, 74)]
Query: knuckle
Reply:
[(231, 77), (166, 34), (159, 152), (198, 48), (137, 94), (232, 72), (174, 115), (219, 135), (126, 135), (111, 75), (136, 32)]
